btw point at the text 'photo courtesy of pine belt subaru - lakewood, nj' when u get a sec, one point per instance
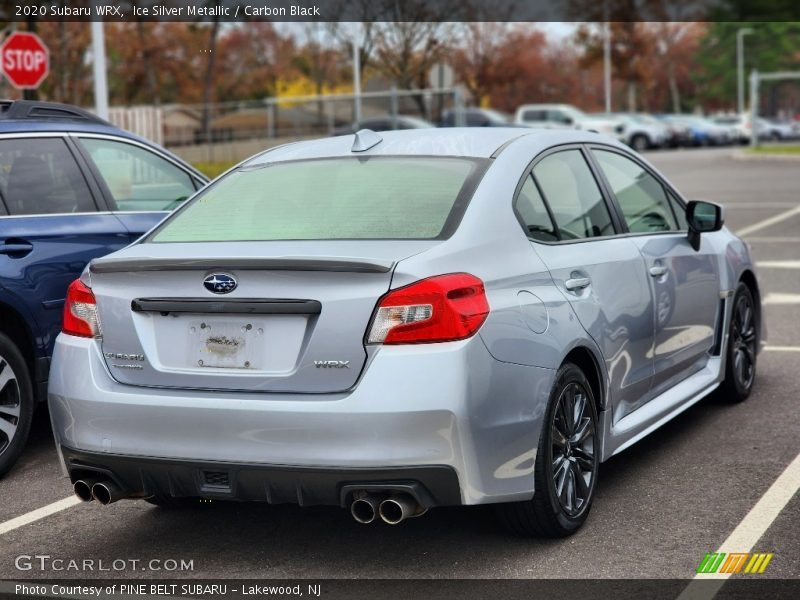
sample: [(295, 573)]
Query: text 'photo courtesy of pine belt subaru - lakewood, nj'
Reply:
[(399, 321), (72, 188)]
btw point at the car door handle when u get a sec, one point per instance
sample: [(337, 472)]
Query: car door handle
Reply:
[(658, 270), (577, 283), (17, 247)]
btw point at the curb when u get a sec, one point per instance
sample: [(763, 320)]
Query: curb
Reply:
[(744, 155)]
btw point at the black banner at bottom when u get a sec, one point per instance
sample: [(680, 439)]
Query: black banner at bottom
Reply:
[(736, 588)]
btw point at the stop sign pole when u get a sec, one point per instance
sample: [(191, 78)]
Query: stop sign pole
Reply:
[(25, 60)]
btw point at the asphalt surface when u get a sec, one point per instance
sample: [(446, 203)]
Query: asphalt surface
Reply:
[(660, 505)]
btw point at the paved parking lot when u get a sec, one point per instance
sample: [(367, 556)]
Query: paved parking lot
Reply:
[(660, 505)]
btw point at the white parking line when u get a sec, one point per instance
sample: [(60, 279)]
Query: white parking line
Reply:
[(769, 222), (778, 264), (751, 529), (776, 298), (781, 348), (39, 513)]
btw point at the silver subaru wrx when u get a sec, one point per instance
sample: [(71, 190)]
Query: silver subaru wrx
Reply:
[(397, 322)]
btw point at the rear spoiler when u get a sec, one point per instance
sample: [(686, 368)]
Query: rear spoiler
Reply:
[(288, 263)]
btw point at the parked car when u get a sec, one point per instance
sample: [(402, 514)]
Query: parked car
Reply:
[(474, 117), (394, 322), (385, 123), (566, 116), (549, 116), (702, 131), (643, 131), (740, 127), (776, 129), (72, 188)]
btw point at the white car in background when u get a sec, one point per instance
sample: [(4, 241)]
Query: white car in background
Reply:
[(566, 116), (640, 132)]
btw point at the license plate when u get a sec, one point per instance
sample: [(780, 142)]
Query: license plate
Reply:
[(226, 344)]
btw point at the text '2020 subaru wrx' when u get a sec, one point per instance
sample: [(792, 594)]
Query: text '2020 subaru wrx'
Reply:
[(390, 324)]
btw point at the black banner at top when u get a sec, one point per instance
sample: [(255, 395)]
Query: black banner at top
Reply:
[(399, 10)]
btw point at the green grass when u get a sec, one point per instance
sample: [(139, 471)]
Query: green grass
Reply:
[(788, 149), (212, 169)]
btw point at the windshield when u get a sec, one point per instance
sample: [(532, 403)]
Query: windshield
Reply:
[(328, 199)]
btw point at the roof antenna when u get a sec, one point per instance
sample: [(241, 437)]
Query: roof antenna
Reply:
[(364, 140)]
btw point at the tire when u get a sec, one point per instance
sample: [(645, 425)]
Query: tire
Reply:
[(639, 142), (16, 403), (549, 514), (740, 355)]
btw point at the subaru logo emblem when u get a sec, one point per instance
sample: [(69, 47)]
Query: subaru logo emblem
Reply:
[(219, 283)]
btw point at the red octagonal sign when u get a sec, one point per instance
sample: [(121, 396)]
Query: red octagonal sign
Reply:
[(25, 60)]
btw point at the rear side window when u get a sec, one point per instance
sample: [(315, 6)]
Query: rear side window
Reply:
[(573, 195), (138, 179), (40, 176), (343, 198), (534, 115), (533, 213), (641, 196)]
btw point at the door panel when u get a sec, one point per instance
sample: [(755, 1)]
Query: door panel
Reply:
[(57, 249), (687, 301), (612, 299)]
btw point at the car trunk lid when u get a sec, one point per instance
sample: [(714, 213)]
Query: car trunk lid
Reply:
[(293, 322)]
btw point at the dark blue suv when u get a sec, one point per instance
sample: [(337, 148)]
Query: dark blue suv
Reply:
[(72, 187)]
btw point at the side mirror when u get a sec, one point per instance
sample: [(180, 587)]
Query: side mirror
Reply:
[(703, 217), (568, 121)]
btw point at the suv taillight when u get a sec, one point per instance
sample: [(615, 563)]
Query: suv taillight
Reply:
[(438, 309), (80, 311)]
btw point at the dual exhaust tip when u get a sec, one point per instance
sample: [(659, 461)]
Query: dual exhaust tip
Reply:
[(392, 509), (105, 492)]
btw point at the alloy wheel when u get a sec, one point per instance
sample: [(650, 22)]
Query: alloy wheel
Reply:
[(10, 405), (743, 339), (573, 448)]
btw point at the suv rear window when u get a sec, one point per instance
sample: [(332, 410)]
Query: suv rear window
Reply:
[(328, 199)]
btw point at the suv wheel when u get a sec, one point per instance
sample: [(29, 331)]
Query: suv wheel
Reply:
[(565, 473), (16, 403)]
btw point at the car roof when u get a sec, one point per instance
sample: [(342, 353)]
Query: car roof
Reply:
[(475, 142), (54, 125)]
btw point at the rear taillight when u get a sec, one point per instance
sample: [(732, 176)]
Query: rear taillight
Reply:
[(438, 309), (80, 311)]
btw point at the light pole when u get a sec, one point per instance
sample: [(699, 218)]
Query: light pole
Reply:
[(740, 67), (356, 72), (607, 64)]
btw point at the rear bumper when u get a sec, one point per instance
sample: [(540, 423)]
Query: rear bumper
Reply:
[(432, 406), (306, 486)]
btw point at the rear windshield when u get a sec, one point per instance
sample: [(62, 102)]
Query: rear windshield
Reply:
[(329, 199)]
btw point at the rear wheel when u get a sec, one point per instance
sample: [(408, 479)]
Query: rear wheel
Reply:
[(740, 363), (565, 473), (16, 403)]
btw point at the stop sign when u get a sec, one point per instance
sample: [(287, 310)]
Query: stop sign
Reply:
[(25, 60)]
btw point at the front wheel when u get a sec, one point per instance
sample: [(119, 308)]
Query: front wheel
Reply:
[(740, 361), (16, 403), (565, 473)]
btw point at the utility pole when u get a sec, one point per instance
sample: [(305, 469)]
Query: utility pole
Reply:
[(356, 72), (99, 68), (740, 67), (607, 64)]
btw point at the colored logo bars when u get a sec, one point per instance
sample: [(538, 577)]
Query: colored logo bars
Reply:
[(734, 562)]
